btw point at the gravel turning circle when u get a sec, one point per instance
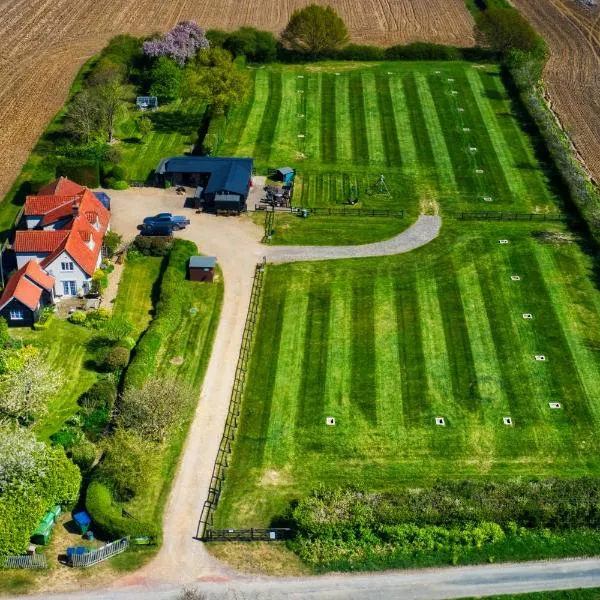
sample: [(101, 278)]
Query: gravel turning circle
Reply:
[(420, 233)]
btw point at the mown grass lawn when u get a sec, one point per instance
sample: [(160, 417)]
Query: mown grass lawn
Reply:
[(65, 347), (331, 230), (138, 291), (427, 127), (175, 131), (387, 345)]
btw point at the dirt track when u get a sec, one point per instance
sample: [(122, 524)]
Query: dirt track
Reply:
[(572, 75), (44, 42)]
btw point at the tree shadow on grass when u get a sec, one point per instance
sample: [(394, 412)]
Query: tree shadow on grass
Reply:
[(176, 122)]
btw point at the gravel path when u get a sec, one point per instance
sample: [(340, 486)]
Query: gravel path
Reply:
[(420, 233)]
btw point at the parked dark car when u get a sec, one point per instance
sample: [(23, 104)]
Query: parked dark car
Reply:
[(156, 228), (176, 221)]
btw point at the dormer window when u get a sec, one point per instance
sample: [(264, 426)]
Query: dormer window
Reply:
[(66, 266)]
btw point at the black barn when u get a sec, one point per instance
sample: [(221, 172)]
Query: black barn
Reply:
[(225, 181)]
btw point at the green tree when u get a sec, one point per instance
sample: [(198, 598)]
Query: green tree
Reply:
[(83, 119), (215, 79), (24, 392), (255, 45), (129, 462), (154, 408), (144, 126), (315, 30), (166, 77), (111, 104), (504, 29)]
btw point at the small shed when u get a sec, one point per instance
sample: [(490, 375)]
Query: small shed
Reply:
[(202, 268), (286, 174), (147, 102)]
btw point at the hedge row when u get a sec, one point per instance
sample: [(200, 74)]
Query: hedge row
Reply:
[(168, 313), (107, 516), (413, 51), (556, 504)]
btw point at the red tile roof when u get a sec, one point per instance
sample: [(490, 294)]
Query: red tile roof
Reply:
[(26, 285), (89, 221), (61, 187), (38, 241)]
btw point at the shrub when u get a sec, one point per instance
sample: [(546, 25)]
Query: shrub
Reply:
[(99, 281), (153, 245), (214, 135), (83, 453), (108, 518), (85, 172), (78, 317), (360, 52), (421, 51), (117, 358), (120, 185), (66, 437), (96, 318), (118, 172), (113, 155), (112, 241), (96, 422), (257, 46), (102, 394), (4, 335), (129, 463)]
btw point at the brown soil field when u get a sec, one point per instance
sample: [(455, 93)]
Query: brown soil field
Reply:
[(572, 75), (44, 42)]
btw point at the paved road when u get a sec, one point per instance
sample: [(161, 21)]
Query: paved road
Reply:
[(423, 231), (429, 584)]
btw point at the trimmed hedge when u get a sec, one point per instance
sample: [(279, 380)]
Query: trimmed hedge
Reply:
[(169, 309), (107, 516)]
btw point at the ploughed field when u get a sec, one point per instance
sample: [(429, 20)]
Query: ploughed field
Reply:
[(385, 346), (42, 44), (572, 31), (437, 131)]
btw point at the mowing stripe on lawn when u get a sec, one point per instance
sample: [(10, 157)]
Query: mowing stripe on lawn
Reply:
[(420, 135), (266, 133), (403, 121), (262, 372), (438, 389), (387, 122), (360, 147), (314, 367), (312, 141), (377, 154), (512, 175), (249, 136), (342, 120), (388, 371), (339, 356), (584, 362), (550, 340), (289, 125), (490, 380), (531, 171), (440, 150), (527, 387), (415, 403), (363, 354), (456, 335), (328, 119), (286, 388)]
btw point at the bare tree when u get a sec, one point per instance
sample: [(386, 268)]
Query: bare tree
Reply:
[(24, 393), (154, 408), (83, 118), (111, 104)]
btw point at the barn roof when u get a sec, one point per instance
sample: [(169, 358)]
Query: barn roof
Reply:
[(226, 173), (202, 262), (26, 285)]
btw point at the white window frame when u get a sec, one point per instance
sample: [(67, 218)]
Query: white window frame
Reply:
[(72, 288), (67, 266), (16, 314)]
